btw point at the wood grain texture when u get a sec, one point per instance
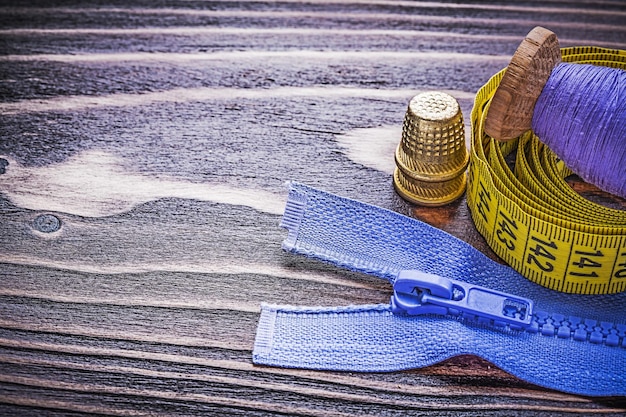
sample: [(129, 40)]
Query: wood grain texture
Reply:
[(513, 104), (160, 136)]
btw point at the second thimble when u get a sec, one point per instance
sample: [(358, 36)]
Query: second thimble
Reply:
[(431, 158)]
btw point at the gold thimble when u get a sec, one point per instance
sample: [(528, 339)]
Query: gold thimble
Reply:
[(431, 158)]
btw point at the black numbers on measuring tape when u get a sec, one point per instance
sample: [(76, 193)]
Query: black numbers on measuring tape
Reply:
[(484, 198), (621, 273), (506, 231), (586, 260), (541, 254)]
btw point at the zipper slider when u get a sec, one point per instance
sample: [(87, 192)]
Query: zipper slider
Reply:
[(416, 292)]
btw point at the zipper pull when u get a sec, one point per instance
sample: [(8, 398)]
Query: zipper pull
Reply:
[(416, 292)]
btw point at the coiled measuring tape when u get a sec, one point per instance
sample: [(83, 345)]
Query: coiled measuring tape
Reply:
[(531, 217)]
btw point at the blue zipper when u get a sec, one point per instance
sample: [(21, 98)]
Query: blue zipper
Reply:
[(430, 316), (416, 293)]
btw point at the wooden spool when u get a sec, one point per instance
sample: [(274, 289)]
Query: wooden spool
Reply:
[(511, 110)]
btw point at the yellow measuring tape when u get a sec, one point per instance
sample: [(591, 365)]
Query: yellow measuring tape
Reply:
[(531, 217)]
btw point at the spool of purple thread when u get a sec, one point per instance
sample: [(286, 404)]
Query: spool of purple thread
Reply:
[(581, 115)]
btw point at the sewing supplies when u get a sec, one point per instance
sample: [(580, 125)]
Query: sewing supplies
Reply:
[(577, 109), (431, 158), (529, 215), (448, 298)]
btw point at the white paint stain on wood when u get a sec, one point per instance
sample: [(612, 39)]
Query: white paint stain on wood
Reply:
[(96, 184), (186, 95), (289, 55), (221, 32), (372, 147), (236, 267), (329, 15)]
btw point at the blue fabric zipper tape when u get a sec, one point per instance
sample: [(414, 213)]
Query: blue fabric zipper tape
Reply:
[(584, 355)]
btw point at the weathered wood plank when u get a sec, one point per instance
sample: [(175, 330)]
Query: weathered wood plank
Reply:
[(159, 137)]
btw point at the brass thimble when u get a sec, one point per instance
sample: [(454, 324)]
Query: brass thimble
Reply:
[(431, 158)]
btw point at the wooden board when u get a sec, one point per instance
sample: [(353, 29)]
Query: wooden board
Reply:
[(160, 137)]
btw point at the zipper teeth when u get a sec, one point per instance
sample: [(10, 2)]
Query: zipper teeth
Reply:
[(558, 326), (579, 329)]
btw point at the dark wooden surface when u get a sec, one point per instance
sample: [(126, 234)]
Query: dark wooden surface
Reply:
[(160, 134)]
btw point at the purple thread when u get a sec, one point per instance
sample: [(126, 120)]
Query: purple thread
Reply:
[(581, 116)]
